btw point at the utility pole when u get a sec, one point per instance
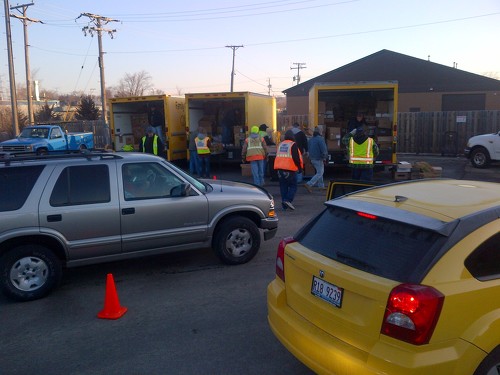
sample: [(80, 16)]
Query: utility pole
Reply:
[(25, 19), (98, 22), (234, 48), (13, 97), (269, 86), (298, 66)]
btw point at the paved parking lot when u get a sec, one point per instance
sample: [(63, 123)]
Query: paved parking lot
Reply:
[(187, 313)]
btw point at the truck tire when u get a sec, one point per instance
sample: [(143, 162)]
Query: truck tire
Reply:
[(237, 240), (29, 272), (480, 158), (491, 364), (42, 151)]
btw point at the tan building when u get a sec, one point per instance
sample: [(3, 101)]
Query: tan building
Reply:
[(424, 86)]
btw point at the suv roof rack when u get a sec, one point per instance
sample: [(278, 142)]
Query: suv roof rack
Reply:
[(6, 157)]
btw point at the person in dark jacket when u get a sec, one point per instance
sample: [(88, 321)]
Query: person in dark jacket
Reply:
[(362, 151), (318, 154), (151, 143), (357, 122), (288, 163), (301, 140)]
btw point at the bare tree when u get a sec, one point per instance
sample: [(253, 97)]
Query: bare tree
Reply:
[(135, 84)]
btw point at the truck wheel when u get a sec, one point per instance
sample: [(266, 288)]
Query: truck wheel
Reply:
[(237, 240), (42, 151), (480, 158), (491, 364), (29, 272)]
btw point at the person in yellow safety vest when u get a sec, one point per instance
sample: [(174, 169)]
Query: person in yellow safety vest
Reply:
[(362, 151), (203, 144), (151, 143), (255, 152), (288, 163)]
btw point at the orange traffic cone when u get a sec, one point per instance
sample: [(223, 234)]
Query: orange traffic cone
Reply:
[(112, 308)]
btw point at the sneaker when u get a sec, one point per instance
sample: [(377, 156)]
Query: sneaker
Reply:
[(290, 205), (308, 188)]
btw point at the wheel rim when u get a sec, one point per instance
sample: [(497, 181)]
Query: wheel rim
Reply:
[(495, 370), (29, 273), (479, 159), (239, 242)]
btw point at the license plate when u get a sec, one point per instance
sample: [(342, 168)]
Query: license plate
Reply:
[(327, 292)]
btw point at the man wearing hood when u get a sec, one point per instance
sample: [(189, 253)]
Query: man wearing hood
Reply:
[(301, 140), (288, 163), (362, 151), (203, 148), (255, 151)]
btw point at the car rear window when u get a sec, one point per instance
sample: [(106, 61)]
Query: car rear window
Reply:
[(16, 184), (386, 248)]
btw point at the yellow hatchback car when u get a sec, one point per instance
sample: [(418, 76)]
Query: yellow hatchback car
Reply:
[(398, 279)]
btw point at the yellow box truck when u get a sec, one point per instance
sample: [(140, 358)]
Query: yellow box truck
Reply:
[(130, 116), (333, 104), (227, 118)]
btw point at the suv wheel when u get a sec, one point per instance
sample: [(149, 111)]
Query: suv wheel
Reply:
[(480, 158), (29, 272), (237, 240)]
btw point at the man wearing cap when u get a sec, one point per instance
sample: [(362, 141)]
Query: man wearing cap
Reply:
[(255, 151), (362, 151), (357, 122), (151, 143), (288, 163)]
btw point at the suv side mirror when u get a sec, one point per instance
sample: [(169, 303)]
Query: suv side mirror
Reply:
[(181, 190)]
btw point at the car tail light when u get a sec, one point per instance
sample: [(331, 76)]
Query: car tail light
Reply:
[(280, 257), (412, 312)]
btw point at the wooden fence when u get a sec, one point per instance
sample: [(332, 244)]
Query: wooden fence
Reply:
[(444, 133)]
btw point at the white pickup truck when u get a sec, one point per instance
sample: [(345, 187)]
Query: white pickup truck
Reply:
[(483, 149)]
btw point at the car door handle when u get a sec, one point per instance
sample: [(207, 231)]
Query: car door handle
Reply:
[(53, 218), (128, 211)]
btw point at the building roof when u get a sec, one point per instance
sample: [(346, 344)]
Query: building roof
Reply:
[(413, 74)]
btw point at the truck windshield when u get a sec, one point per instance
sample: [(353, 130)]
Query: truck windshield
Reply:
[(34, 133)]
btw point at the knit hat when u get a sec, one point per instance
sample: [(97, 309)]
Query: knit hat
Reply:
[(289, 135), (263, 127), (254, 129), (150, 129)]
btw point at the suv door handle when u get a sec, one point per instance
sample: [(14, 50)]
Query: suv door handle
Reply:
[(53, 218), (128, 211)]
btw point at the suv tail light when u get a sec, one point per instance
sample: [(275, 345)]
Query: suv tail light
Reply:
[(412, 312), (280, 257)]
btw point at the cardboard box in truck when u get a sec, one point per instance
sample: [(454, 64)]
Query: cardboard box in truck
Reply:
[(333, 104), (232, 114), (130, 116)]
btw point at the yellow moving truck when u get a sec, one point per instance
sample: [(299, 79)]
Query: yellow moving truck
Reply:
[(227, 118), (130, 116), (333, 104)]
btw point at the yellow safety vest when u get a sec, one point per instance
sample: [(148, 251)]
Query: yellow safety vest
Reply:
[(255, 151), (155, 144), (202, 146), (361, 153)]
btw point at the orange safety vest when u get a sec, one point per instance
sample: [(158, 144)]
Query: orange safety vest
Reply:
[(284, 159), (255, 151), (361, 153), (202, 146)]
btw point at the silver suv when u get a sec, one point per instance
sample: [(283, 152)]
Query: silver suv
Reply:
[(79, 209)]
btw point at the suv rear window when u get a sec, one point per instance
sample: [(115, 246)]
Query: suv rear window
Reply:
[(16, 184), (386, 248)]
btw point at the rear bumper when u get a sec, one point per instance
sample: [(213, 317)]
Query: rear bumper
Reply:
[(326, 354)]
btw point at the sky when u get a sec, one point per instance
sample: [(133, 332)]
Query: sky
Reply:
[(183, 45)]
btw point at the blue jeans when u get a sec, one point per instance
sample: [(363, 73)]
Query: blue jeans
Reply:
[(364, 174), (193, 161), (318, 177), (257, 167), (204, 166), (288, 186)]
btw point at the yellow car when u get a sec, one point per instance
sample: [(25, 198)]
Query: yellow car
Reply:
[(397, 279)]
